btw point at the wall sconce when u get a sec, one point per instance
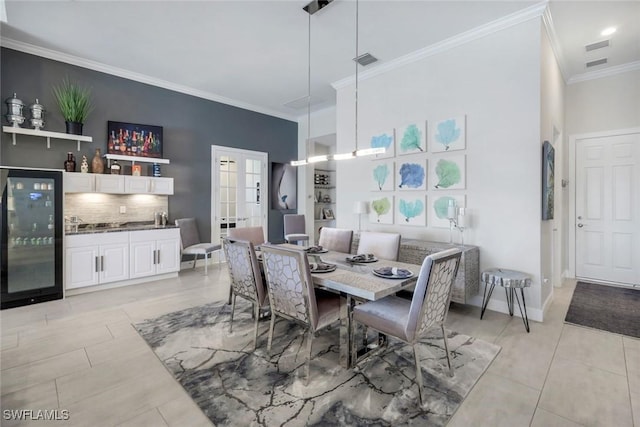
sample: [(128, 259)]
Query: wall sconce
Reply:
[(360, 208), (457, 219)]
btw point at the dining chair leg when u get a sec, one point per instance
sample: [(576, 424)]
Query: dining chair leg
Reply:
[(306, 368), (206, 263), (256, 314), (233, 309), (418, 373), (352, 343), (271, 325), (446, 349), (195, 260)]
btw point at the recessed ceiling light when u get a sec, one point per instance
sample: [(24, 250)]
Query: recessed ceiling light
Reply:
[(608, 31)]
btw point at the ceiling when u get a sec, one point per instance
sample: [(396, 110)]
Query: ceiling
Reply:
[(254, 54)]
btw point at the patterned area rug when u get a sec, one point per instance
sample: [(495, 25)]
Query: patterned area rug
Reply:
[(607, 308), (234, 385)]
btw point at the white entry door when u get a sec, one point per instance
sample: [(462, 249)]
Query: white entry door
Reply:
[(239, 189), (607, 208)]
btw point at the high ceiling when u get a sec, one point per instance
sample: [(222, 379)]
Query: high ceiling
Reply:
[(254, 54)]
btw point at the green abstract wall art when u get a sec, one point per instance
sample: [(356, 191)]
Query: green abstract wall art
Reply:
[(439, 205), (449, 135), (383, 139), (411, 138), (448, 173), (382, 175), (411, 211), (380, 210)]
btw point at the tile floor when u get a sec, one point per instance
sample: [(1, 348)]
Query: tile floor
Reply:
[(82, 354)]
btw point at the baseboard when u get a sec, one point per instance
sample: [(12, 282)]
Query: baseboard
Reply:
[(535, 314), (185, 265), (87, 289)]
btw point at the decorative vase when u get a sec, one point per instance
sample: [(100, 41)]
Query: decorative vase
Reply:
[(84, 166), (97, 166), (70, 163), (74, 128)]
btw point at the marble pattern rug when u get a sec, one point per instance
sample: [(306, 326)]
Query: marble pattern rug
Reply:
[(236, 386)]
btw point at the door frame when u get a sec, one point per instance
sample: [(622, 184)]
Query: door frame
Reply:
[(572, 186), (264, 188)]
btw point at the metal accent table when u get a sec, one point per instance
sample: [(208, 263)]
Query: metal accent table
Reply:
[(510, 280)]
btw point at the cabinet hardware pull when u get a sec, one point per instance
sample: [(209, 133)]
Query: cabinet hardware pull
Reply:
[(97, 267), (155, 257), (102, 263), (158, 256)]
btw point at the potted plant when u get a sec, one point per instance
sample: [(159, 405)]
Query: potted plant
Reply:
[(74, 103)]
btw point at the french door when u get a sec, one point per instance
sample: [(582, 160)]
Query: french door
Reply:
[(607, 234), (239, 189)]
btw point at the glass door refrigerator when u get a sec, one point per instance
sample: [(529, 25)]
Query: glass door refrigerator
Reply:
[(31, 223)]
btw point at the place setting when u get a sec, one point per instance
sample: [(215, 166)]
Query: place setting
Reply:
[(361, 259), (392, 273)]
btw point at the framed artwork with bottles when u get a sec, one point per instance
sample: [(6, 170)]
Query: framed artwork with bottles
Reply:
[(130, 139)]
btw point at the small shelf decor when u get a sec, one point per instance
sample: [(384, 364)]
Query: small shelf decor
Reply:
[(74, 103), (134, 140)]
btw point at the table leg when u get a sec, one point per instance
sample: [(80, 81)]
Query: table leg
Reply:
[(345, 331), (485, 298), (525, 319), (509, 293)]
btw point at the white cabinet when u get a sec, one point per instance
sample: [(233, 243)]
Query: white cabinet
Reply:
[(79, 182), (109, 184), (148, 185), (92, 259), (154, 252), (116, 184)]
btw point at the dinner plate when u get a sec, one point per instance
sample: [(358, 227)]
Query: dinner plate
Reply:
[(321, 251), (408, 274), (361, 261), (326, 268)]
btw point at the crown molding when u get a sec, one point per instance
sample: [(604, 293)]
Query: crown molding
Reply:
[(524, 15), (547, 21), (138, 77), (606, 72)]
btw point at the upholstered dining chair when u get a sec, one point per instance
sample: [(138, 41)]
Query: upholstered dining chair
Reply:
[(191, 244), (382, 245), (254, 235), (409, 320), (292, 295), (294, 229), (246, 279), (336, 239)]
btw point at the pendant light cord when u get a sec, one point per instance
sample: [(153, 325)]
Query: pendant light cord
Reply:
[(356, 60), (309, 90)]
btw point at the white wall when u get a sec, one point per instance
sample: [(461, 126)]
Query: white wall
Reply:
[(495, 81), (551, 129)]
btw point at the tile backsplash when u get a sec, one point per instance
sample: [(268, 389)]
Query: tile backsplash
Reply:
[(94, 208)]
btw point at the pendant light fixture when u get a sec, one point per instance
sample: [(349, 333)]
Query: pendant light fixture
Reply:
[(311, 8), (365, 151)]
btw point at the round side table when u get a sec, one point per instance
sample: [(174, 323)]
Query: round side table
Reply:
[(510, 280)]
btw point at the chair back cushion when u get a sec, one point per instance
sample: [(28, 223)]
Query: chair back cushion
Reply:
[(254, 235), (432, 293), (244, 270), (336, 239), (290, 285), (188, 232), (382, 245), (294, 224)]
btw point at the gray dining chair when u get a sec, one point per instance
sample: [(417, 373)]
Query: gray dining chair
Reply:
[(190, 243), (336, 239), (294, 229), (408, 320), (254, 235), (382, 245), (292, 295), (246, 279)]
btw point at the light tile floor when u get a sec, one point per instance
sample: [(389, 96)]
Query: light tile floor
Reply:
[(82, 354)]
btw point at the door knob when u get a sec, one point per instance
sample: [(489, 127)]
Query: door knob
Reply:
[(580, 225)]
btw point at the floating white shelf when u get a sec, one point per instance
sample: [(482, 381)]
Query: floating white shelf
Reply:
[(134, 159), (45, 134)]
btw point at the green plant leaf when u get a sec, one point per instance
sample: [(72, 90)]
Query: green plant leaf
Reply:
[(74, 102)]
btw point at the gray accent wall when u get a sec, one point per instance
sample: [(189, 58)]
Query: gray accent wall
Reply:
[(191, 126)]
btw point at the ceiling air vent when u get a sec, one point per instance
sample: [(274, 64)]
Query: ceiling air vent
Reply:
[(365, 59), (596, 62), (597, 45), (303, 102)]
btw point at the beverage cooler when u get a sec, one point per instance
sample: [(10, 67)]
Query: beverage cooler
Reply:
[(32, 232)]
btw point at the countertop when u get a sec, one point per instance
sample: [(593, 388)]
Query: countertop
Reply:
[(114, 228)]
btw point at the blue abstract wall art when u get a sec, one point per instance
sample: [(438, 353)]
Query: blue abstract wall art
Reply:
[(412, 177), (411, 139), (449, 135), (382, 176), (411, 211), (383, 139)]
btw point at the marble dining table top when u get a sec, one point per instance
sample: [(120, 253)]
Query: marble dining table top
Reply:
[(358, 280)]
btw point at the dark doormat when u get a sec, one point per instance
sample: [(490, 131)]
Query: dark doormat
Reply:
[(607, 308)]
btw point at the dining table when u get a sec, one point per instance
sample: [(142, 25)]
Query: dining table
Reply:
[(355, 281)]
